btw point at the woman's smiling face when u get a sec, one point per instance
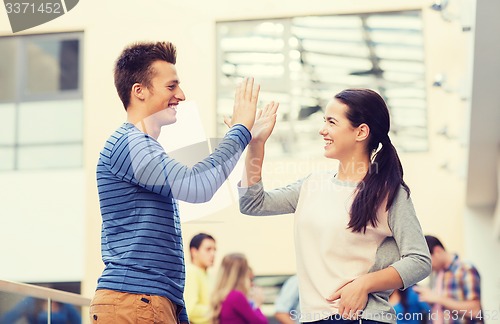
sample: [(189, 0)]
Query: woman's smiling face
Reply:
[(337, 131)]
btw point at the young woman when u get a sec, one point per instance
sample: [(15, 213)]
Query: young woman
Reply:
[(230, 302), (356, 233)]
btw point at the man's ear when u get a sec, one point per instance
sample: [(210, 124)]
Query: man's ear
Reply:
[(193, 251), (363, 131), (436, 250), (138, 91)]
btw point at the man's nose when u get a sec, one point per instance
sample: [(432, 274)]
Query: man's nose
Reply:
[(180, 94)]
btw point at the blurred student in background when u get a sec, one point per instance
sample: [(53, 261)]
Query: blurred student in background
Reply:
[(287, 303), (198, 284), (230, 301), (409, 309), (456, 287), (34, 311)]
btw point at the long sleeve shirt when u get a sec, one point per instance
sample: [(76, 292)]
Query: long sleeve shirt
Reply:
[(236, 309), (329, 254), (139, 185)]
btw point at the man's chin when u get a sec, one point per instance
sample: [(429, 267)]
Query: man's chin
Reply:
[(169, 122)]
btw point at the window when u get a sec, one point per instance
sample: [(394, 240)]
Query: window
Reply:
[(41, 102), (302, 62)]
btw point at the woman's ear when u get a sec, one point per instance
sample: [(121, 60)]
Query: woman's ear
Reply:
[(138, 91), (363, 131)]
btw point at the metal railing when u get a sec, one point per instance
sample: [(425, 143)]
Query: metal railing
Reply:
[(42, 293)]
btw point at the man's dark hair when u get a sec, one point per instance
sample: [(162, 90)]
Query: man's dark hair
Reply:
[(135, 66), (432, 242), (198, 239)]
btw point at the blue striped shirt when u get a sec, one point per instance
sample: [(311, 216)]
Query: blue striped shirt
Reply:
[(139, 185)]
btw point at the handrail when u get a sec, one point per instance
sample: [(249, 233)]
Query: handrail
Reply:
[(44, 293)]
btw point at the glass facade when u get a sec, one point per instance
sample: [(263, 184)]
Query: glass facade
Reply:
[(302, 62), (41, 102)]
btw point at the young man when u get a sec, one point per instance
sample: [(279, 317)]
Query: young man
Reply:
[(198, 287), (456, 293), (139, 185)]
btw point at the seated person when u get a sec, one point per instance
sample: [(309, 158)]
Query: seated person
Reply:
[(230, 301), (34, 311), (409, 309)]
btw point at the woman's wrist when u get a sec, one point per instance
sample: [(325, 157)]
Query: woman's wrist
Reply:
[(258, 143)]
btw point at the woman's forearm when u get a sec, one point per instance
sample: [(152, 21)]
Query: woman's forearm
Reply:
[(253, 165), (381, 280)]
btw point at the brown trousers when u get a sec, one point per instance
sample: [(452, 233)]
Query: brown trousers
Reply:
[(114, 307)]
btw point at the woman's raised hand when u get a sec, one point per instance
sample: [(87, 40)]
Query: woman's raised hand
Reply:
[(264, 123)]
